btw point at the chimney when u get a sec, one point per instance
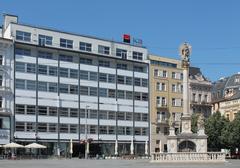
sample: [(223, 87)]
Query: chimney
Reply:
[(7, 19)]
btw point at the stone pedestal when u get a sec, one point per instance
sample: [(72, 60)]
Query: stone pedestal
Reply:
[(172, 141)]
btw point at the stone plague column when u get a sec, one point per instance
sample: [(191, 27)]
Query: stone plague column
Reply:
[(185, 51)]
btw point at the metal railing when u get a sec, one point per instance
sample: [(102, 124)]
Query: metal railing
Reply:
[(188, 157)]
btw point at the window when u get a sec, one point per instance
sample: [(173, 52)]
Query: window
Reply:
[(24, 36), (164, 74), (174, 88), (73, 89), (83, 74), (103, 49), (20, 67), (52, 127), (85, 61), (121, 53), (129, 116), (74, 73), (20, 126), (85, 46), (144, 96), (52, 111), (42, 110), (103, 129), (137, 55), (73, 128), (138, 69), (31, 68), (43, 39), (93, 76), (31, 85), (66, 43), (128, 80), (52, 87), (20, 84), (137, 96), (73, 112), (129, 95), (111, 115), (42, 69), (31, 110), (144, 83), (121, 115), (102, 77), (63, 112), (42, 127), (42, 86), (121, 94), (161, 86), (155, 72), (22, 51), (144, 131), (83, 90), (174, 75), (52, 71), (20, 109), (63, 72), (104, 63), (46, 55), (144, 117), (66, 58), (30, 127), (128, 130), (121, 130), (63, 88), (93, 129), (194, 97), (111, 130), (120, 79), (63, 128), (93, 114), (93, 91), (176, 102), (102, 92), (111, 78), (137, 116), (103, 115), (137, 131), (137, 81), (122, 66), (111, 93)]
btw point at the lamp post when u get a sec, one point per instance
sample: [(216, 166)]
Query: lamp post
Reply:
[(86, 140)]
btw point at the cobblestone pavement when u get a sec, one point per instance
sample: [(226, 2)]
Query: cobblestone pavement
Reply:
[(81, 163)]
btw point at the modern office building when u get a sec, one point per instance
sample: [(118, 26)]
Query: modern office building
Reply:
[(200, 92), (226, 96), (59, 86), (165, 100)]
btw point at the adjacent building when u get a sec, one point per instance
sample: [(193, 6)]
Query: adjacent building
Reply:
[(226, 96), (57, 86), (200, 92), (166, 99)]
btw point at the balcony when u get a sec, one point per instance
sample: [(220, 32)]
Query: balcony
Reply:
[(201, 103), (162, 106), (5, 89), (5, 112)]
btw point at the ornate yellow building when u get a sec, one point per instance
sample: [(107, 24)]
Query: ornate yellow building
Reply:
[(166, 99)]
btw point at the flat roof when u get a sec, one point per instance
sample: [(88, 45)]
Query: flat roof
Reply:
[(76, 34)]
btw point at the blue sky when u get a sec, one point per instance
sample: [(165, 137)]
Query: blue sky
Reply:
[(212, 27)]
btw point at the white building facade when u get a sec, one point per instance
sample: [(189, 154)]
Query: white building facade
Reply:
[(68, 86)]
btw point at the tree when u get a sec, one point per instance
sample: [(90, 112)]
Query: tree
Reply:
[(235, 132), (214, 126)]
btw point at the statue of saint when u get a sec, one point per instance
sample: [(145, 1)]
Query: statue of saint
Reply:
[(200, 122), (185, 51)]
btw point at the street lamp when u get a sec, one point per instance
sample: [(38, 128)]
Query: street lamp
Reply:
[(86, 140)]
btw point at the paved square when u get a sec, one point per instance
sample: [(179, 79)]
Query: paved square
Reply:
[(80, 163)]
